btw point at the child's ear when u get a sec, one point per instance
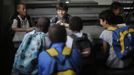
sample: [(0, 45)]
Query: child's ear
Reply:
[(105, 22), (18, 10)]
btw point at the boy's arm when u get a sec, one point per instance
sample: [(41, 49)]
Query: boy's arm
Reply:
[(106, 38), (16, 29), (22, 29)]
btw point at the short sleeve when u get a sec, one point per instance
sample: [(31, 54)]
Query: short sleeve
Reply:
[(106, 36), (14, 24)]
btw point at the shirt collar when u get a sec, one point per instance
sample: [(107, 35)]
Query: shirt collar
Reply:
[(21, 18)]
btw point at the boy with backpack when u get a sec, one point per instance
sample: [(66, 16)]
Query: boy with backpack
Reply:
[(59, 59), (25, 61), (80, 41), (120, 41)]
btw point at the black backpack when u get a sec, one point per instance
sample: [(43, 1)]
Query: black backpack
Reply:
[(83, 44)]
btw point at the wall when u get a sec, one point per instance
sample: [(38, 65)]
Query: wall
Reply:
[(1, 17), (81, 0), (104, 2), (7, 12)]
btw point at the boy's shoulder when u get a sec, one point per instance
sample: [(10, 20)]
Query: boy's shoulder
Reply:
[(106, 32)]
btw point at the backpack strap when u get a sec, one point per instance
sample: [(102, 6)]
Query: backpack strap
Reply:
[(111, 28), (74, 37), (18, 23), (53, 52), (66, 51), (29, 20)]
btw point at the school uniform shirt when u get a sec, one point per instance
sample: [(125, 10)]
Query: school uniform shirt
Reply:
[(24, 24), (46, 63), (113, 61)]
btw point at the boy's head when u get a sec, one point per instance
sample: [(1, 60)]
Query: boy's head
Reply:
[(116, 8), (43, 24), (21, 9), (61, 9), (75, 24), (57, 33), (107, 18)]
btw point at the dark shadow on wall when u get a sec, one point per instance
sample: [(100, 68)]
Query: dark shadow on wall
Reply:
[(6, 45)]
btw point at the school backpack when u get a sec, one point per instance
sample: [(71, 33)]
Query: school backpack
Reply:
[(26, 56), (65, 67), (123, 41), (83, 44)]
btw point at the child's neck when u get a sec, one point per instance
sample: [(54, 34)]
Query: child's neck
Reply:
[(23, 17)]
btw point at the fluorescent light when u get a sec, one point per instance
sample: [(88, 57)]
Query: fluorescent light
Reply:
[(67, 2)]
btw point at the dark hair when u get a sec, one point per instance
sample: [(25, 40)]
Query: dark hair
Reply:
[(62, 6), (76, 24), (43, 23), (57, 33), (109, 16), (18, 5), (115, 5)]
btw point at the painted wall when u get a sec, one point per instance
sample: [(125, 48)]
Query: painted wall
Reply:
[(82, 0), (104, 2)]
